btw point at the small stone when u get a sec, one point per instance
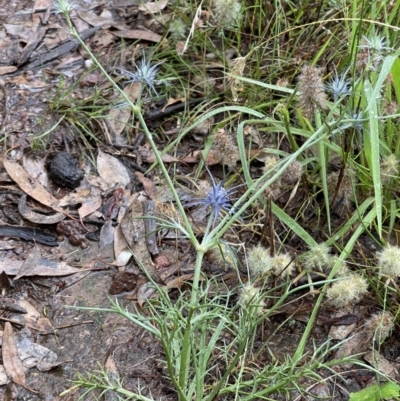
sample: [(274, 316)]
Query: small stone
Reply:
[(65, 172)]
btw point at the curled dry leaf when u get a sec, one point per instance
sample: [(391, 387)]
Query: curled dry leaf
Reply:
[(26, 212)]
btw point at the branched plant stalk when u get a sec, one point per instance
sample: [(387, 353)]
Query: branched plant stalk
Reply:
[(210, 239)]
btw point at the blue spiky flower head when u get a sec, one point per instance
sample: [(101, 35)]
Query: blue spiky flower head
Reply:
[(339, 85), (145, 74), (216, 199)]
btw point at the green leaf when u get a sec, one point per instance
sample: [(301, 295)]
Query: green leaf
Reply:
[(377, 392)]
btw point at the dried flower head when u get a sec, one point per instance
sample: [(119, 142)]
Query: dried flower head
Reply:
[(282, 265), (339, 86), (259, 261), (226, 12), (145, 74), (347, 291), (379, 326), (389, 168), (317, 257), (312, 96), (225, 146), (293, 173), (389, 261), (250, 297), (216, 199)]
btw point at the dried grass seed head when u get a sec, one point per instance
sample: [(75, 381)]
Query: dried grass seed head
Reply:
[(293, 173), (389, 261), (311, 96), (225, 146)]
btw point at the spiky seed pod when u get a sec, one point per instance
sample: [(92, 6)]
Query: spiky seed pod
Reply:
[(293, 173), (389, 261), (317, 257), (379, 326), (347, 291), (223, 143), (312, 96), (259, 261)]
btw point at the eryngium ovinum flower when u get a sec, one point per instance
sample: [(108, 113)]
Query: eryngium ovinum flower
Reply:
[(389, 261), (261, 263), (311, 96), (317, 258), (349, 290), (251, 297), (371, 52), (145, 74), (226, 12), (339, 86)]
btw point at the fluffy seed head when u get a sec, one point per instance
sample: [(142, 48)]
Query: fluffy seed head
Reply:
[(389, 261), (250, 296), (317, 257), (312, 96), (226, 12), (347, 291), (282, 264), (389, 168), (259, 261)]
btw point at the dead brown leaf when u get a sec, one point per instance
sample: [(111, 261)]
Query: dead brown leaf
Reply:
[(148, 185), (112, 171), (29, 263), (12, 364), (153, 7), (44, 267), (138, 35), (29, 185)]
